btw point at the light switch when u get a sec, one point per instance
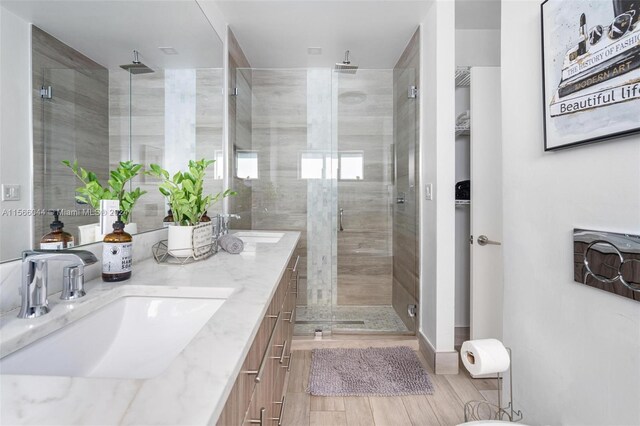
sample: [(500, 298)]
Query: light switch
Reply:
[(10, 192), (428, 191)]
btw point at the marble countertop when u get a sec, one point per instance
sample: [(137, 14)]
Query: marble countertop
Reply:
[(195, 386)]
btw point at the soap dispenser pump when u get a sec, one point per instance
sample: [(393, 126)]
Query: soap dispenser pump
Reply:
[(117, 255), (57, 239)]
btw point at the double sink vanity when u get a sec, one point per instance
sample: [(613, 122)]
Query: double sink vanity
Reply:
[(204, 343)]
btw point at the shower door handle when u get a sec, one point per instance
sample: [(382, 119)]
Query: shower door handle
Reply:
[(341, 215)]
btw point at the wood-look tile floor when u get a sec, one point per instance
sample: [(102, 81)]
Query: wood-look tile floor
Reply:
[(444, 407)]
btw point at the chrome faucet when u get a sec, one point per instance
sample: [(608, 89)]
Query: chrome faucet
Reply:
[(224, 222), (34, 287)]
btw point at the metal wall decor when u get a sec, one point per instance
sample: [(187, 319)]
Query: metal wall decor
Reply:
[(591, 70), (608, 261)]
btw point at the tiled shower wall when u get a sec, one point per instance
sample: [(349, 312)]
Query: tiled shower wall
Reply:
[(139, 129), (73, 124), (405, 216), (319, 112), (279, 135)]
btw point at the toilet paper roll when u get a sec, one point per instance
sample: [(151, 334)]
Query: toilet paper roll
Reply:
[(485, 356)]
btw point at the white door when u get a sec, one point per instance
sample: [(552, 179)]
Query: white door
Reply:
[(486, 204)]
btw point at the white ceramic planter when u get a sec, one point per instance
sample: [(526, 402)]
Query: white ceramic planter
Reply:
[(180, 242), (131, 228)]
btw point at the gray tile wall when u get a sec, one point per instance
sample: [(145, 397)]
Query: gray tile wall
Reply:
[(405, 216), (296, 111), (71, 125), (279, 135), (137, 122)]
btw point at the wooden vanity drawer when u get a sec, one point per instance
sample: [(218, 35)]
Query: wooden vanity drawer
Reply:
[(269, 358)]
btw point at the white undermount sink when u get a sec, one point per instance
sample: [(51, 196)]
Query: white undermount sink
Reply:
[(131, 337), (259, 236)]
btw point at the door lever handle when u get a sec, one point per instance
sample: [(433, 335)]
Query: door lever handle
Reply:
[(483, 240)]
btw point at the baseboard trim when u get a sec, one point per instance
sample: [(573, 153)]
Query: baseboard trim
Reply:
[(440, 362)]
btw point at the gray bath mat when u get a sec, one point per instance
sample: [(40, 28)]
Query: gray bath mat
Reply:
[(367, 372)]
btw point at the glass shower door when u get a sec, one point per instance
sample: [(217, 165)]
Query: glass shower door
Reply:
[(365, 157)]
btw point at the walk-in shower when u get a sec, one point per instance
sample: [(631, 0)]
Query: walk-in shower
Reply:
[(322, 149)]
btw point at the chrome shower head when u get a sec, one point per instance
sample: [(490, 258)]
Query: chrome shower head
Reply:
[(136, 67), (345, 66)]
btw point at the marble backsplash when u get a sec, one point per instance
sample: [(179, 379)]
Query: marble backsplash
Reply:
[(11, 272)]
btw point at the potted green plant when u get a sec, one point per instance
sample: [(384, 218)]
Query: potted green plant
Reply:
[(93, 192), (184, 191)]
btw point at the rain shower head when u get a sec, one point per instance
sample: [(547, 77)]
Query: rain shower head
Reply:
[(136, 67), (345, 66)]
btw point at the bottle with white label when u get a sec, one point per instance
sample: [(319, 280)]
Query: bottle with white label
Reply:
[(57, 239), (117, 254)]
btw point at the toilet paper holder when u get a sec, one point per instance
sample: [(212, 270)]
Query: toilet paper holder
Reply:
[(484, 410)]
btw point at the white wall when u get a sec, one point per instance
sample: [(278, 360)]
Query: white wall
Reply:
[(576, 349), (478, 48), (15, 130), (437, 163)]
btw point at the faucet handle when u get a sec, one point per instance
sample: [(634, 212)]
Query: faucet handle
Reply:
[(72, 283)]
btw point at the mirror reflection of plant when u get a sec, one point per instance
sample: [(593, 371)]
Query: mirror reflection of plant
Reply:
[(185, 191), (93, 191)]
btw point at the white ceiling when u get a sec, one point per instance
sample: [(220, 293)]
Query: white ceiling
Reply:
[(478, 14), (276, 34), (273, 33), (108, 31)]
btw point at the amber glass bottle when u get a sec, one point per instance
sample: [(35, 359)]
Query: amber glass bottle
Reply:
[(57, 239), (205, 218), (117, 254), (168, 219)]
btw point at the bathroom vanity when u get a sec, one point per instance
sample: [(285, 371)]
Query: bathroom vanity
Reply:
[(205, 343)]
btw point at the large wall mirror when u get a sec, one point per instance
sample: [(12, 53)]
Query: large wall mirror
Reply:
[(96, 102)]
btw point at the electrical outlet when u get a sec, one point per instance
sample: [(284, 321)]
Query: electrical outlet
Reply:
[(10, 192), (428, 191)]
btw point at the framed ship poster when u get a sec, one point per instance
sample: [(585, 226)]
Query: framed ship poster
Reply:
[(591, 70)]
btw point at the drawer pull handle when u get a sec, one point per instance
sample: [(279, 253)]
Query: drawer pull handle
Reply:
[(279, 418), (295, 265), (292, 313), (284, 350), (259, 421), (265, 357), (290, 358)]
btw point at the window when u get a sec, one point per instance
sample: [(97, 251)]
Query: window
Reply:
[(311, 165), (351, 165), (247, 164)]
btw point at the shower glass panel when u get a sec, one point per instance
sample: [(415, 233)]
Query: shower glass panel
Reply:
[(74, 113), (294, 187), (167, 117), (364, 130), (323, 143)]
